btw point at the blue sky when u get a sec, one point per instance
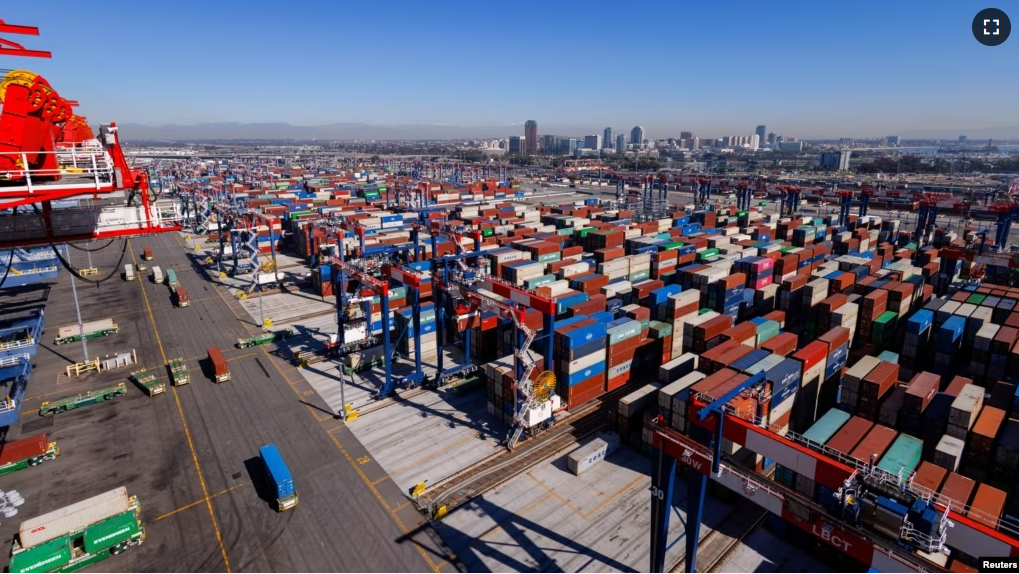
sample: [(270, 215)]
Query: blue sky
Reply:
[(810, 69)]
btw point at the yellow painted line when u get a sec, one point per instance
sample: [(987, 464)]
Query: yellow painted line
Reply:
[(241, 357), (195, 503), (187, 432), (601, 505), (522, 513), (382, 501), (336, 441)]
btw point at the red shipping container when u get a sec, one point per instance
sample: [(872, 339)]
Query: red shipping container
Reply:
[(781, 344), (920, 392), (21, 449), (988, 504), (930, 476), (847, 437), (956, 385), (812, 354), (874, 444), (835, 338), (956, 490), (743, 333)]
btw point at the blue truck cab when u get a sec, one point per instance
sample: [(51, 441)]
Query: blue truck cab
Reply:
[(279, 478)]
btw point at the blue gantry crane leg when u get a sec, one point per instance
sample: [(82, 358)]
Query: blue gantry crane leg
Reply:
[(663, 481)]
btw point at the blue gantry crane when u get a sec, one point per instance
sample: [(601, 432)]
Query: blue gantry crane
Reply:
[(663, 476)]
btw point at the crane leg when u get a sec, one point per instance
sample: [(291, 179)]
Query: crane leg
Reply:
[(663, 477)]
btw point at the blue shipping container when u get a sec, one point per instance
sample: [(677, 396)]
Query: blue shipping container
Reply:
[(277, 471)]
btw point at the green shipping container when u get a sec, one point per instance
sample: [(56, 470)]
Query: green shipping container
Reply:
[(639, 276), (297, 214), (821, 431), (976, 298), (488, 232), (904, 455), (45, 557), (539, 281), (549, 257), (583, 232), (111, 532)]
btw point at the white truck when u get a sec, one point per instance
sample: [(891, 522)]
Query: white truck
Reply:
[(157, 275), (129, 272)]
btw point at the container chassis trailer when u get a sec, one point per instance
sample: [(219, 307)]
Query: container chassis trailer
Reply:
[(76, 536), (91, 329), (48, 408), (148, 381), (179, 372), (26, 452), (265, 338)]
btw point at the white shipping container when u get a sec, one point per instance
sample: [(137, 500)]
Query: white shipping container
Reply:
[(586, 456), (586, 361), (73, 518), (88, 327)]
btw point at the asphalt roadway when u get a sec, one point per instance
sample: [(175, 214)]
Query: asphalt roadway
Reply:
[(191, 454)]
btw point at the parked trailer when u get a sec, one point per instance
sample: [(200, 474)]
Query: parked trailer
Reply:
[(171, 279), (78, 535), (179, 372), (147, 254), (128, 272), (84, 399), (26, 452), (182, 297), (278, 476), (221, 373), (157, 275), (91, 329), (148, 381)]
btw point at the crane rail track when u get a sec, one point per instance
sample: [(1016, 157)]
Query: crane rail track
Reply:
[(459, 488), (734, 543)]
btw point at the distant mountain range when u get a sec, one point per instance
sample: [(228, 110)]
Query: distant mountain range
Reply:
[(357, 131)]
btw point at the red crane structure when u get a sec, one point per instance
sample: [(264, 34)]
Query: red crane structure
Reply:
[(48, 153)]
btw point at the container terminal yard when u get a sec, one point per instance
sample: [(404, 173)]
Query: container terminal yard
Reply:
[(275, 364)]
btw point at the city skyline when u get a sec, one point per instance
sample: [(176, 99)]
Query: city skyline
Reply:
[(187, 73)]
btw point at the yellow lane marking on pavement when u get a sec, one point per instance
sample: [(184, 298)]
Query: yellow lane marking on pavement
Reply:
[(187, 432), (195, 503), (382, 501), (336, 442), (520, 514), (591, 512)]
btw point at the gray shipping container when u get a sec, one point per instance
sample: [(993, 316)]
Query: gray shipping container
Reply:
[(73, 518), (639, 400), (948, 453), (586, 456), (965, 409)]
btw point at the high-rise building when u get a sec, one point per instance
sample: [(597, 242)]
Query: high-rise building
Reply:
[(686, 135), (607, 139), (517, 144), (836, 159), (592, 142), (962, 139), (695, 142), (790, 146), (637, 136), (771, 138), (761, 132), (620, 143), (531, 136), (571, 146), (755, 141), (893, 140)]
